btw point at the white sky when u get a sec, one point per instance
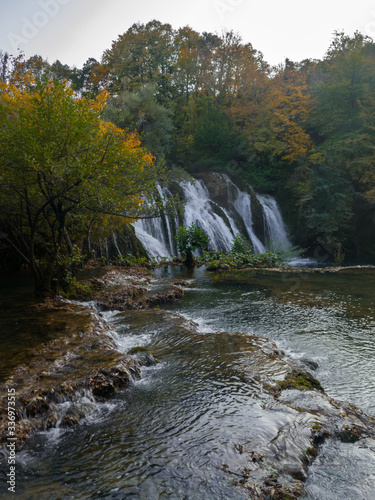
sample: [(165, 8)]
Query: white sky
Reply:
[(74, 30)]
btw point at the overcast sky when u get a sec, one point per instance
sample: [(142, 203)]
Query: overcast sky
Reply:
[(74, 30)]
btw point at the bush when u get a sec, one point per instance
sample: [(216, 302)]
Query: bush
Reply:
[(190, 239), (240, 244), (240, 260)]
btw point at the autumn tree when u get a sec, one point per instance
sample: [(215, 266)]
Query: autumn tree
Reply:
[(63, 170)]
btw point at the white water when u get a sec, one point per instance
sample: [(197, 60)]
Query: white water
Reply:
[(219, 222), (199, 209), (151, 235), (156, 234), (276, 233), (242, 203)]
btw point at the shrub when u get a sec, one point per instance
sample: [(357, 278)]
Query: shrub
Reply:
[(190, 239)]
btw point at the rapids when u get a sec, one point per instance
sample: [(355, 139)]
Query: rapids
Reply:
[(174, 433)]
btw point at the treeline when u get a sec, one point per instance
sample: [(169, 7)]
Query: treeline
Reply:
[(304, 131)]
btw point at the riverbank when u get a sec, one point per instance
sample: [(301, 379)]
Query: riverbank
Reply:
[(85, 361)]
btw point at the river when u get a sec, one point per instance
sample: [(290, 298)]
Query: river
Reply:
[(172, 434)]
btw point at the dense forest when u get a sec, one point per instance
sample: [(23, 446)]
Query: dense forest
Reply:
[(302, 131)]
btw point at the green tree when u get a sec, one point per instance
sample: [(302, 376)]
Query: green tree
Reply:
[(63, 171), (340, 177), (190, 239), (144, 54), (140, 111)]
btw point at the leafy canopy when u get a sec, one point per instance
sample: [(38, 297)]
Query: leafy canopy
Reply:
[(64, 171)]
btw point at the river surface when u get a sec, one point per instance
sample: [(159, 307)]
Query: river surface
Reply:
[(171, 434)]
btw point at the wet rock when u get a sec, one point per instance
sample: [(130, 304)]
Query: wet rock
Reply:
[(83, 362), (126, 290), (72, 417), (312, 365), (144, 356), (36, 406), (104, 382), (350, 434), (300, 380), (181, 283)]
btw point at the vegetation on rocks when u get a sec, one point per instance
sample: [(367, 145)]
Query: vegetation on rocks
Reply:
[(217, 261)]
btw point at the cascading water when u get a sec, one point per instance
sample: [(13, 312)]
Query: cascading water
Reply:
[(241, 201), (151, 235), (276, 234), (201, 210), (156, 234), (219, 222)]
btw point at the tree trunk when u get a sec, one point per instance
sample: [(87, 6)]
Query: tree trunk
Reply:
[(189, 261)]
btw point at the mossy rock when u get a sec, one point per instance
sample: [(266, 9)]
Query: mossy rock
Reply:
[(350, 434), (300, 380)]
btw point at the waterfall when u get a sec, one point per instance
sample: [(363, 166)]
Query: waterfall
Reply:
[(156, 234), (208, 215), (276, 234), (242, 203), (114, 236), (221, 223), (151, 235), (167, 194)]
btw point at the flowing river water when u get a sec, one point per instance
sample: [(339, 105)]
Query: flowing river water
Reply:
[(170, 434)]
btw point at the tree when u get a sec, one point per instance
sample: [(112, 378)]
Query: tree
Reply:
[(140, 111), (4, 65), (190, 239), (144, 54), (339, 191), (63, 171)]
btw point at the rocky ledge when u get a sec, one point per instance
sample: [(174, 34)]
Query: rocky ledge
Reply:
[(131, 289), (83, 361)]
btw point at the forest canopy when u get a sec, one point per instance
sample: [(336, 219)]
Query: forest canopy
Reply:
[(302, 131)]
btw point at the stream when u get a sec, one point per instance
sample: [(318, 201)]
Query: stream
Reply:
[(174, 433)]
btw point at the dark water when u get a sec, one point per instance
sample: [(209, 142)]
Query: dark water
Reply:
[(170, 434), (21, 328)]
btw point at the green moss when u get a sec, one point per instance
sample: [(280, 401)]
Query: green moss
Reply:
[(77, 290), (300, 380)]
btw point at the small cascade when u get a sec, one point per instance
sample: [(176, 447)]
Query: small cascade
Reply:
[(115, 242), (156, 234), (242, 203), (276, 234), (165, 193), (151, 235)]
